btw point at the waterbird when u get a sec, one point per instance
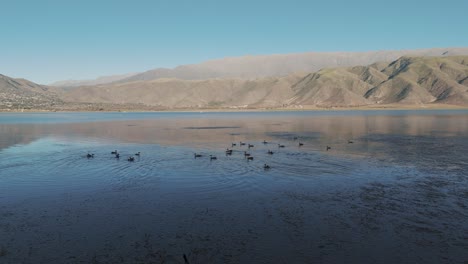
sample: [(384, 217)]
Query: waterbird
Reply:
[(117, 156), (197, 155), (265, 142), (89, 155), (294, 138), (270, 152), (328, 148), (301, 144), (246, 154), (228, 151), (131, 158), (137, 154), (350, 142), (280, 146), (186, 259), (266, 166), (212, 157), (241, 143), (114, 152), (249, 158), (233, 144), (251, 146)]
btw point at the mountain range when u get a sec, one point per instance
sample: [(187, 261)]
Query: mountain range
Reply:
[(277, 65), (405, 81)]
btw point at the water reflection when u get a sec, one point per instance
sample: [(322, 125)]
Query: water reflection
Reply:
[(398, 193)]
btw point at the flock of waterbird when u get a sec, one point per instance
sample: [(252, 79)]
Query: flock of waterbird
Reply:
[(228, 151), (116, 155)]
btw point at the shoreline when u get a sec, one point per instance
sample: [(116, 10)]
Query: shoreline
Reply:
[(236, 110)]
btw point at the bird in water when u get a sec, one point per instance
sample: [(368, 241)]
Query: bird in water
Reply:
[(89, 155), (350, 142), (328, 148), (213, 157), (301, 144), (195, 155), (251, 146), (228, 151), (241, 143), (117, 156), (280, 146), (131, 159), (249, 158), (246, 154), (294, 138), (233, 144), (114, 152), (266, 166), (270, 152), (137, 154), (185, 259), (265, 142)]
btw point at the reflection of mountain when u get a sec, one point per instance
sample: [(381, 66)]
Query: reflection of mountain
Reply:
[(15, 134), (315, 130)]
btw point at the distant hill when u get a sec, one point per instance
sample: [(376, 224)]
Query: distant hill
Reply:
[(252, 67), (407, 80), (23, 94), (99, 80)]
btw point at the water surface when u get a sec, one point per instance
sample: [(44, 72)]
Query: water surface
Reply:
[(397, 194)]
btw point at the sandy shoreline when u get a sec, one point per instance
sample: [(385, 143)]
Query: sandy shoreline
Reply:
[(304, 108)]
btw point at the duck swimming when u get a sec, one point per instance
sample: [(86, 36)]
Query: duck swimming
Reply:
[(280, 146), (250, 146), (301, 144), (266, 166), (197, 155), (131, 159), (328, 148), (246, 154), (265, 142), (213, 157), (137, 154), (249, 158), (270, 152), (89, 155), (114, 152)]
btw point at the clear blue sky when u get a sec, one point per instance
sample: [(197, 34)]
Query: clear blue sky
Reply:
[(50, 40)]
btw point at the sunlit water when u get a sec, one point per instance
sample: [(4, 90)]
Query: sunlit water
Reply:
[(397, 194)]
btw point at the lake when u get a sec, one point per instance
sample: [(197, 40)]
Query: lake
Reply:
[(391, 188)]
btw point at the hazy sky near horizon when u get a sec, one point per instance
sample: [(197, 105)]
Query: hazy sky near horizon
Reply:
[(50, 40)]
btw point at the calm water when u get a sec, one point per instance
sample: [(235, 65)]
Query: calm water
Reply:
[(397, 194)]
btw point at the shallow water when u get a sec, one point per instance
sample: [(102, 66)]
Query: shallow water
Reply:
[(397, 194)]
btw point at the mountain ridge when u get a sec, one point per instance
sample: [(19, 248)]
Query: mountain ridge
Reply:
[(259, 66), (407, 80)]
